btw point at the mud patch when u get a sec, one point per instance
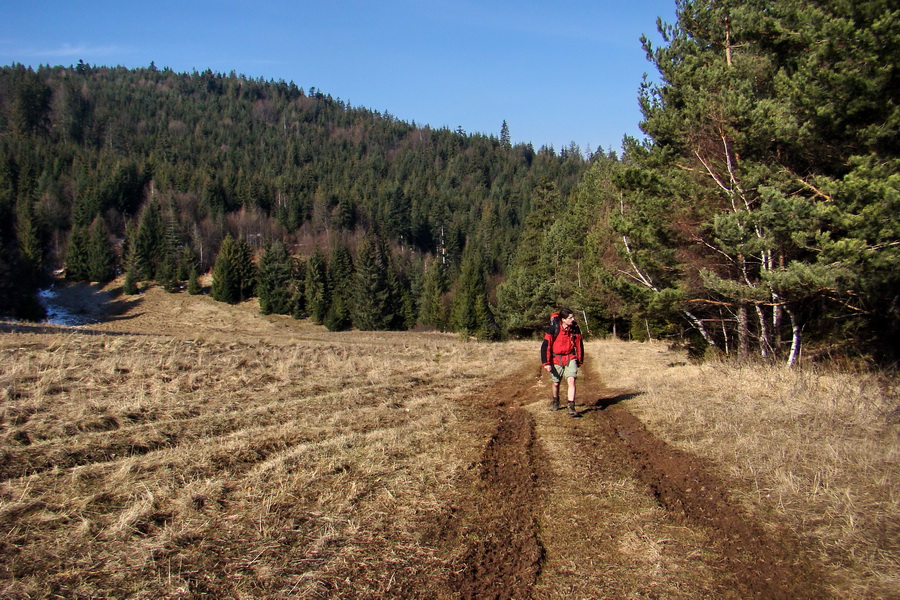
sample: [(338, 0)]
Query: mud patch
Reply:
[(503, 556)]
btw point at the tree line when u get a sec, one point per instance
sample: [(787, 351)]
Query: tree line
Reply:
[(759, 215)]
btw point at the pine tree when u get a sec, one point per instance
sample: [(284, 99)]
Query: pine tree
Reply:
[(764, 113)]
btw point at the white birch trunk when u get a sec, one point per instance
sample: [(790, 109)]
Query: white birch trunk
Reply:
[(794, 356), (743, 331), (765, 344)]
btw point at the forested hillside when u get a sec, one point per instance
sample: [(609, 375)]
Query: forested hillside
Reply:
[(176, 162), (759, 215)]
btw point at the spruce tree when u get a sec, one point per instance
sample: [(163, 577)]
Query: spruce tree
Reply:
[(470, 313), (431, 306), (524, 301), (193, 282), (401, 297), (186, 263), (167, 273), (531, 288), (298, 290), (77, 254), (95, 149), (504, 135), (340, 276), (101, 258), (233, 273), (316, 288), (247, 271), (129, 286), (372, 309), (273, 286), (30, 234), (148, 249)]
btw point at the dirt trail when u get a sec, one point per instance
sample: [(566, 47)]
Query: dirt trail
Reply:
[(545, 517)]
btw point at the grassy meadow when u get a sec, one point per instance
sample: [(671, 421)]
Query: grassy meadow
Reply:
[(243, 456), (140, 466)]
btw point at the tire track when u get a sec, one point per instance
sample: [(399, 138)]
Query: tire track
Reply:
[(504, 558), (760, 564), (498, 517)]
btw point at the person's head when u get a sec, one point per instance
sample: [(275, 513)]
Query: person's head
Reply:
[(566, 316)]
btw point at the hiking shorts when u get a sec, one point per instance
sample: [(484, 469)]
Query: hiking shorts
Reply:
[(570, 370)]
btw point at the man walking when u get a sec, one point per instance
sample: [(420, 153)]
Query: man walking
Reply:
[(562, 352)]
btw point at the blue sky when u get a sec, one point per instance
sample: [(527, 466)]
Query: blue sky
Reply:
[(557, 72)]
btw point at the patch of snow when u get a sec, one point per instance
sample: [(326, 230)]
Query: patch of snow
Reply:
[(57, 314)]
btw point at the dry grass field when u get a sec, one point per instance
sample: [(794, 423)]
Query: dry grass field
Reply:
[(183, 448)]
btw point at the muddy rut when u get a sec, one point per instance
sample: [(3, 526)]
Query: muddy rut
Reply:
[(541, 520)]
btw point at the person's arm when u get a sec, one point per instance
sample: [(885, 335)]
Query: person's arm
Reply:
[(579, 349)]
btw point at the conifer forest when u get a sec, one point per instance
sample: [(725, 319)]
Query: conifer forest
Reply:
[(759, 217)]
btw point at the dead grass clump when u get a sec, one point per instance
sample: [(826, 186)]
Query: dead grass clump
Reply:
[(816, 447)]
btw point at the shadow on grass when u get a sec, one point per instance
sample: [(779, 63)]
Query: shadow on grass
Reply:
[(605, 402), (72, 305)]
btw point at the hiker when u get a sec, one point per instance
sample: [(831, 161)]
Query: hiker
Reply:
[(562, 352)]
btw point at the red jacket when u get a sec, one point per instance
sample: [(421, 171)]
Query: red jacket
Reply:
[(565, 347)]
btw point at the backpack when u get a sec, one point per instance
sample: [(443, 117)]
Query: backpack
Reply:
[(555, 324), (553, 331)]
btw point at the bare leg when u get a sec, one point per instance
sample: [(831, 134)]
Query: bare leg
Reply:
[(571, 390)]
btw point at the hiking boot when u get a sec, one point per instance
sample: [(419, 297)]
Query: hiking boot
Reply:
[(554, 404), (572, 411)]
